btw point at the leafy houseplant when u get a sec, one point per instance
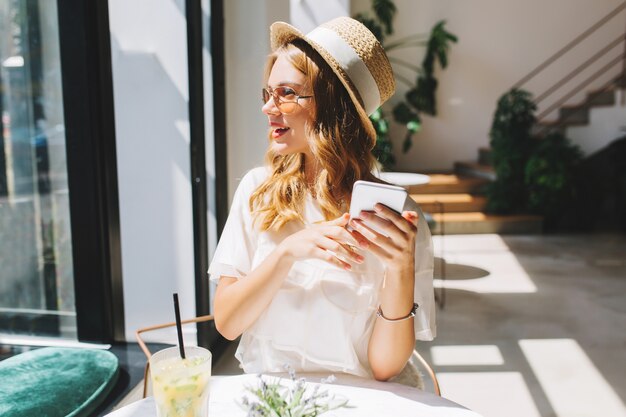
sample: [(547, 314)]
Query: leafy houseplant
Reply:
[(420, 98), (511, 144), (536, 175), (550, 176)]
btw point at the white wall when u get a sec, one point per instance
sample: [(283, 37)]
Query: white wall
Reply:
[(246, 25), (499, 43), (149, 55), (306, 15)]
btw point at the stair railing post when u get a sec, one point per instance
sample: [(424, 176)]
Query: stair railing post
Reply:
[(623, 78)]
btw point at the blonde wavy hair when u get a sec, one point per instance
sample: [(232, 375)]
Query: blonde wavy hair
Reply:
[(337, 139)]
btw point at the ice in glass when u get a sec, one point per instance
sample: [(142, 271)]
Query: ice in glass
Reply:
[(181, 386)]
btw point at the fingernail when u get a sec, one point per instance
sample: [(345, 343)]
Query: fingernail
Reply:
[(378, 207), (353, 223), (364, 214), (347, 267)]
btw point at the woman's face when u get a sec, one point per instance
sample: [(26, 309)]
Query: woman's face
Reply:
[(287, 130)]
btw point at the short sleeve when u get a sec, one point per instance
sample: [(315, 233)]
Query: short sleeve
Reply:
[(238, 242), (424, 294)]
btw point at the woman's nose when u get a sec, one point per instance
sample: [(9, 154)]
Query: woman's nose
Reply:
[(270, 107)]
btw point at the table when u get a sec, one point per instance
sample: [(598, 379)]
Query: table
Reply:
[(404, 179), (370, 398)]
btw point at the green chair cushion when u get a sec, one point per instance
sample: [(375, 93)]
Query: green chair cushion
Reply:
[(56, 382)]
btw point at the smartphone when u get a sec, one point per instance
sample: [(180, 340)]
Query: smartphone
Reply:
[(366, 194)]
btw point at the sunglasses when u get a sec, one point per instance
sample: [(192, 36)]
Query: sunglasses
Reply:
[(285, 98)]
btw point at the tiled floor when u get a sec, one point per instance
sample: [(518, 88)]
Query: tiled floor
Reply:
[(533, 325)]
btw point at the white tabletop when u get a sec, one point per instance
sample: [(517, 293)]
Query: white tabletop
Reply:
[(404, 179), (368, 398)]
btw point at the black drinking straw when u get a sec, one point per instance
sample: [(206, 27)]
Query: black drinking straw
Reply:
[(179, 327)]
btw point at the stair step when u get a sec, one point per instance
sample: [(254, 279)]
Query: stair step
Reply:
[(449, 184), (480, 223), (485, 157), (604, 97), (547, 126), (574, 115), (475, 169), (448, 203)]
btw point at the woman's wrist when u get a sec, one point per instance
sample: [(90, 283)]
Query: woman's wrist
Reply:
[(402, 271), (284, 254)]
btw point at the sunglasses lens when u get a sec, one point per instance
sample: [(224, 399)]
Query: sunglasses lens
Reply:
[(286, 94), (286, 108), (285, 98)]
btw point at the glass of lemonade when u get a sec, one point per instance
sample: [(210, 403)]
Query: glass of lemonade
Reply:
[(181, 386)]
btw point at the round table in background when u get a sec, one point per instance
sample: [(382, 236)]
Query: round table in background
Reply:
[(404, 179)]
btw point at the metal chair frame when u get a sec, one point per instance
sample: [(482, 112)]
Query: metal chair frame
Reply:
[(200, 319)]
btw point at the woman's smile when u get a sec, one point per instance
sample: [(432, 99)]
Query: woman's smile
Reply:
[(278, 130)]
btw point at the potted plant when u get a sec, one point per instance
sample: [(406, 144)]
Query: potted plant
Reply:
[(420, 98)]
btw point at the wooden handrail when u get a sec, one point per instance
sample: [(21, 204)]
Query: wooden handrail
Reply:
[(569, 46)]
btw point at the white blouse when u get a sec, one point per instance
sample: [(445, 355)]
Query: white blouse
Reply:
[(322, 317)]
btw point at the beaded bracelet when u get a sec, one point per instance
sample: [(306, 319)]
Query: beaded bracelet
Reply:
[(412, 313)]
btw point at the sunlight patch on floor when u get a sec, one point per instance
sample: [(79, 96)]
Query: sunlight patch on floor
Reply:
[(491, 394), (572, 383), (504, 274), (466, 355)]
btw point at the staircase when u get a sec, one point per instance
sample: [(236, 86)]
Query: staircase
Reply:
[(577, 115), (457, 202)]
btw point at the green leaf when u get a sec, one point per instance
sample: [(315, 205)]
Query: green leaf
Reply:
[(376, 115), (385, 11), (408, 142), (422, 97), (402, 113), (413, 126), (382, 126)]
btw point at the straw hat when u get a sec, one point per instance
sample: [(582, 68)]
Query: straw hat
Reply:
[(354, 54)]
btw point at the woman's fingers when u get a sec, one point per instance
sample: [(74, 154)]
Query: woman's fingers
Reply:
[(340, 234), (330, 257), (340, 221), (402, 221), (340, 250), (371, 235), (377, 223), (376, 242), (411, 217)]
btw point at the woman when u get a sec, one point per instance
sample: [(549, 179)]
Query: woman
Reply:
[(294, 283)]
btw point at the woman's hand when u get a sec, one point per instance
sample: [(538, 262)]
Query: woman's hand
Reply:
[(397, 249), (329, 241)]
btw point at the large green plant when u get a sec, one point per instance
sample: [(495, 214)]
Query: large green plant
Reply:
[(536, 175), (420, 98), (550, 175), (511, 144)]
